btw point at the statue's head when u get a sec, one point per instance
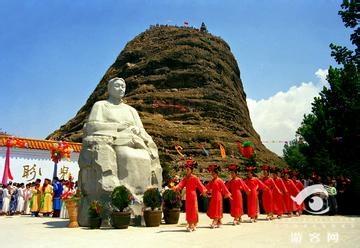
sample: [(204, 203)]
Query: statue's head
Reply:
[(117, 87)]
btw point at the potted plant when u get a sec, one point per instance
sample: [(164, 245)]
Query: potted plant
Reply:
[(71, 199), (171, 207), (120, 200), (152, 201), (94, 212)]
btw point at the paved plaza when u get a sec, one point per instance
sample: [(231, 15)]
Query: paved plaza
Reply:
[(304, 231)]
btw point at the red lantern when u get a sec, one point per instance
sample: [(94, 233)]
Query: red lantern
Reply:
[(247, 149)]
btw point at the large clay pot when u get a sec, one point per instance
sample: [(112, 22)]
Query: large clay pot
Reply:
[(152, 217), (171, 216), (95, 223), (120, 220), (72, 207)]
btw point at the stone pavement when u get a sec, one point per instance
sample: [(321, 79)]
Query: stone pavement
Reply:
[(304, 231)]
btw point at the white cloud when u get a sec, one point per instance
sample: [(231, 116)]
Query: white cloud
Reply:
[(278, 117), (321, 74)]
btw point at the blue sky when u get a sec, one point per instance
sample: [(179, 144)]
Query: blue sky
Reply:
[(53, 53)]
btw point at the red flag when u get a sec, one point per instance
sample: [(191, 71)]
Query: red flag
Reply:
[(222, 151)]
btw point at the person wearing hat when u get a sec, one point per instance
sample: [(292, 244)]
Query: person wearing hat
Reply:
[(216, 187), (235, 185), (191, 183), (292, 191), (278, 196), (254, 184), (268, 195), (300, 186)]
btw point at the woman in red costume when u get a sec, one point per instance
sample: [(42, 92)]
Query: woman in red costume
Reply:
[(292, 191), (191, 183), (235, 185), (268, 195), (254, 184), (300, 186), (217, 189), (279, 197)]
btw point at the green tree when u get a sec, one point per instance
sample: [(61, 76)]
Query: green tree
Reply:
[(294, 157), (332, 130)]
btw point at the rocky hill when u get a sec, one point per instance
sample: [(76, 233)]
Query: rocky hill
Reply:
[(186, 86)]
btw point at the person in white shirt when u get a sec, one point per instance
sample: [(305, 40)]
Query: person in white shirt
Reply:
[(64, 212), (6, 200), (20, 199), (27, 198)]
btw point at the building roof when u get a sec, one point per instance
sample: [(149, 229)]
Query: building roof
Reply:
[(39, 144)]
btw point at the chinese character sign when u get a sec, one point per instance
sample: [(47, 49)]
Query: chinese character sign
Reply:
[(29, 165), (30, 173), (64, 172)]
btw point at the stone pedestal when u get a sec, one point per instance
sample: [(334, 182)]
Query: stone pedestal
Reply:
[(103, 166)]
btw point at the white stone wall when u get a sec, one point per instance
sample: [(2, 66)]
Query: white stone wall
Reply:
[(25, 159)]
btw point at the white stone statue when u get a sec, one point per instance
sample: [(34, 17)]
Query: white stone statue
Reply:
[(116, 151)]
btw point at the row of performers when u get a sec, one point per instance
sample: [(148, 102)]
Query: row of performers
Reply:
[(276, 193), (35, 198)]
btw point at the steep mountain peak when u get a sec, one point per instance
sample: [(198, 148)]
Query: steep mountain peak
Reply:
[(186, 85)]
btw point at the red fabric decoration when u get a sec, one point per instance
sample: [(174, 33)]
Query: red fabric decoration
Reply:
[(10, 142), (59, 151)]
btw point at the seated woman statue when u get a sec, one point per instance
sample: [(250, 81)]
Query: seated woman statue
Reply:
[(136, 162)]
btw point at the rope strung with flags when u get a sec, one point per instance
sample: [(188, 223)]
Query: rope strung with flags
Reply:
[(276, 141), (246, 149)]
